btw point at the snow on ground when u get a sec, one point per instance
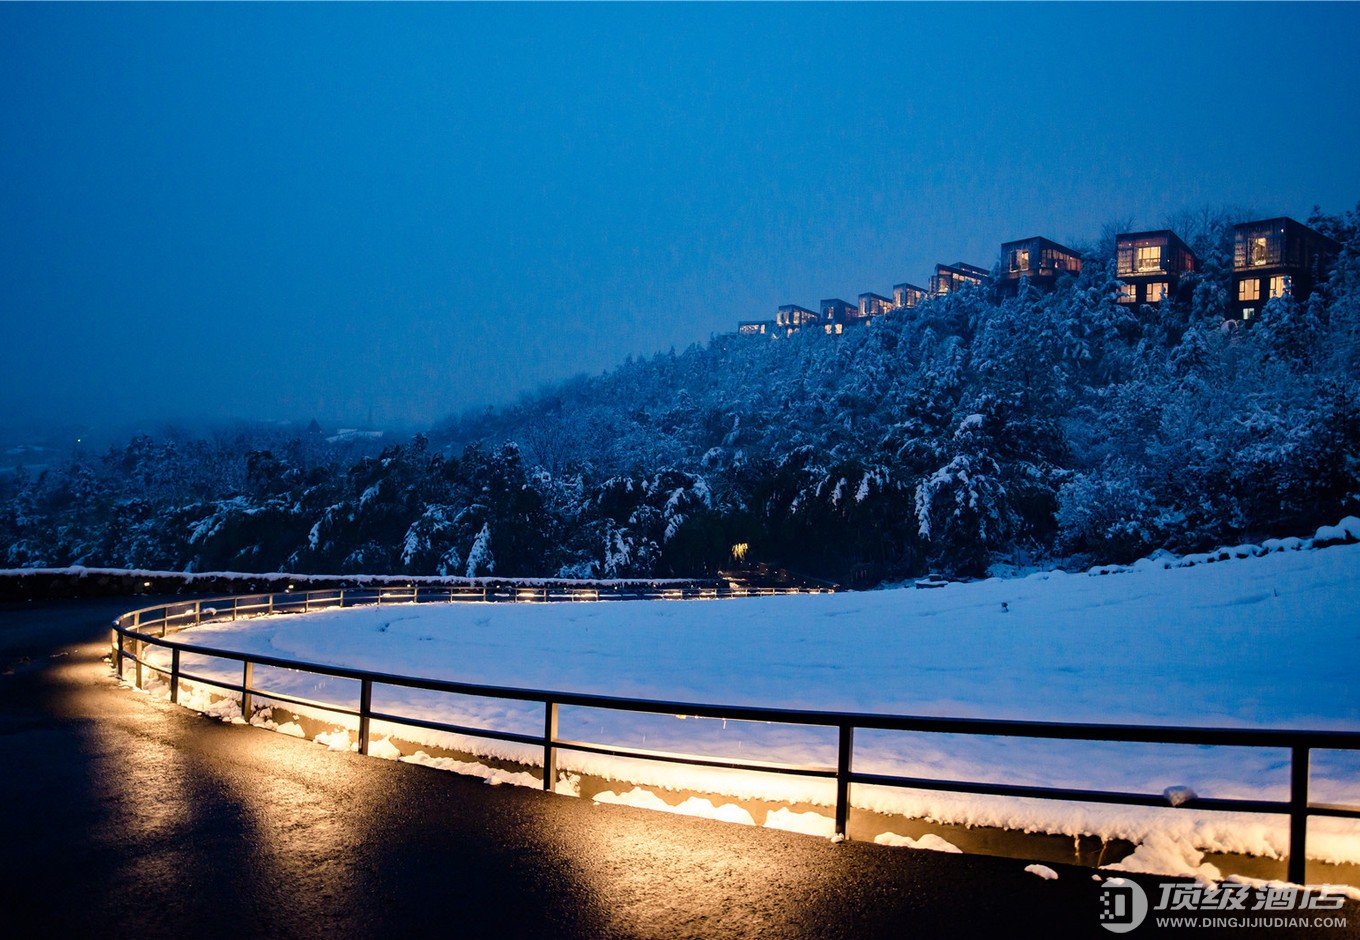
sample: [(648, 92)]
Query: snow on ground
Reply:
[(1249, 640), (693, 806), (1160, 853), (928, 842)]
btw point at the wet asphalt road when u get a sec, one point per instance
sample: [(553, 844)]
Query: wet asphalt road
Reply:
[(130, 817)]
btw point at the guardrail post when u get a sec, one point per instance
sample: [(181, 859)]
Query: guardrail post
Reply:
[(174, 677), (1298, 814), (271, 604), (198, 613), (365, 707), (233, 610), (549, 752), (306, 601), (843, 758), (246, 673), (137, 650), (342, 598), (118, 657)]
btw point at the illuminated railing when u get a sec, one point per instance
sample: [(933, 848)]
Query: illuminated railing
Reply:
[(137, 630)]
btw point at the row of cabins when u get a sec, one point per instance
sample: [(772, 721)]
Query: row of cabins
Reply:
[(1271, 258)]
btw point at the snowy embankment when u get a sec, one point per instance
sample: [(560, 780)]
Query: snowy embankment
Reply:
[(77, 581), (275, 578), (1264, 637)]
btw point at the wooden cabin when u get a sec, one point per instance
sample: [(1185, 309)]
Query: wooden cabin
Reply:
[(1275, 258), (906, 296), (1039, 259), (950, 277)]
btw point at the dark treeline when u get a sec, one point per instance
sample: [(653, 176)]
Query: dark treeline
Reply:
[(966, 433)]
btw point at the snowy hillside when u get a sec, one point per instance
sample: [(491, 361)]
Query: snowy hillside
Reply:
[(1256, 641), (1050, 428)]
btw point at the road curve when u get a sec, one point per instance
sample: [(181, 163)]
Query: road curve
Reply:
[(128, 816)]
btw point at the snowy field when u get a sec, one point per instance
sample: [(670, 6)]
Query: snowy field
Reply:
[(1270, 641)]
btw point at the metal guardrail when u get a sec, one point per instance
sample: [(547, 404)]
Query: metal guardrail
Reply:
[(152, 626)]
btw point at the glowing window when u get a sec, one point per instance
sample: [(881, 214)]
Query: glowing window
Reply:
[(1249, 288), (1279, 285), (1260, 251), (1156, 291), (1128, 293), (1150, 259), (1248, 313), (1020, 259)]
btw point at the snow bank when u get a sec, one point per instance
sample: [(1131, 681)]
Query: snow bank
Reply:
[(1161, 854), (274, 578), (1345, 531), (809, 823), (694, 806), (929, 842), (1262, 637)]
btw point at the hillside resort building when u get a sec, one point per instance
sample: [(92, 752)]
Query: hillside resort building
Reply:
[(1271, 258), (1275, 258), (1150, 266)]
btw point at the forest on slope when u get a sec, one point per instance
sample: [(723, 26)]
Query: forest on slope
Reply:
[(969, 434)]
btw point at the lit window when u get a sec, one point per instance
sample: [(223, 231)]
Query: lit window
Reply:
[(1128, 293), (1020, 259), (1249, 288), (1248, 313), (1279, 285), (1156, 291), (1260, 251), (1150, 259)]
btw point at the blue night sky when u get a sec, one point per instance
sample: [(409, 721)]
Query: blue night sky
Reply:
[(281, 212)]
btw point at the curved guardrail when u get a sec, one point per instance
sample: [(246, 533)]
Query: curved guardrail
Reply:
[(134, 631)]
